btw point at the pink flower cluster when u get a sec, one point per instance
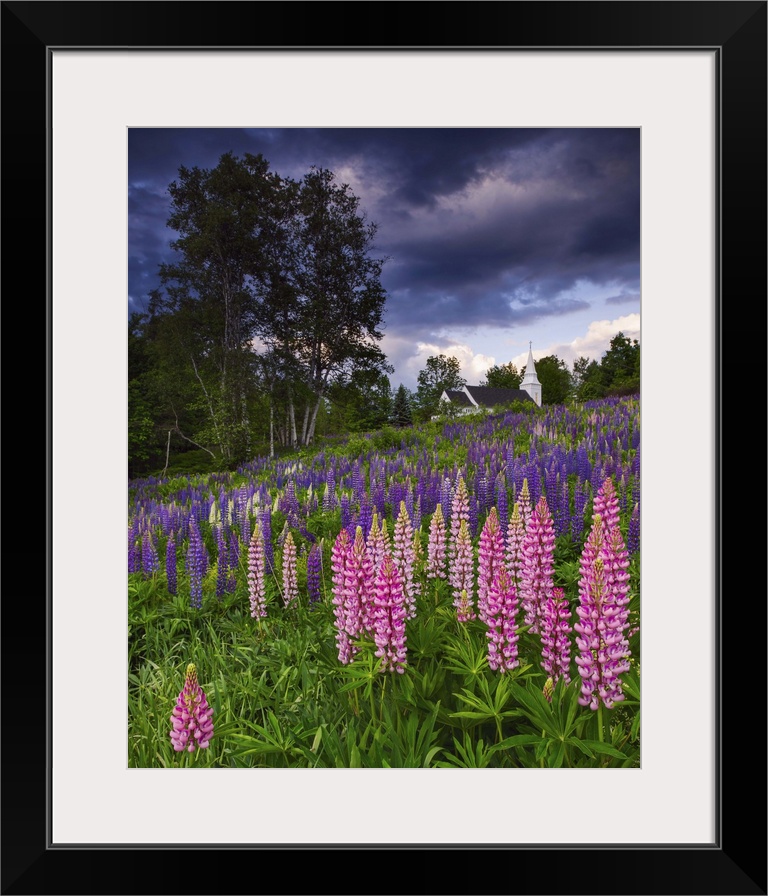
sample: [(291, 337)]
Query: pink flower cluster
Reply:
[(192, 717), (603, 606)]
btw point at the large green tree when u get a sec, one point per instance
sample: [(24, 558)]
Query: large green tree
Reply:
[(620, 366), (401, 407), (441, 372), (223, 218), (586, 380), (503, 376), (274, 297)]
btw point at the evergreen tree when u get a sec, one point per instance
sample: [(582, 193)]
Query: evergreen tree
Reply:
[(401, 407)]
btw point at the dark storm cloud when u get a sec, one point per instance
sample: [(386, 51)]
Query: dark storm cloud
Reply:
[(483, 227)]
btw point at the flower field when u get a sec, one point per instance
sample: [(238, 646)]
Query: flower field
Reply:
[(465, 594)]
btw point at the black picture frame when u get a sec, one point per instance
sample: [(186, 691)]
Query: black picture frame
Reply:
[(736, 862)]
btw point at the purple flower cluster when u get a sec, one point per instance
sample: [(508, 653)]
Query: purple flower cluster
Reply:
[(256, 570)]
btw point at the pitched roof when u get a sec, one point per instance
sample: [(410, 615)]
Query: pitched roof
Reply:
[(488, 396), (458, 397)]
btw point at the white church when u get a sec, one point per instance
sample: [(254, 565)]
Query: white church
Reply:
[(477, 398)]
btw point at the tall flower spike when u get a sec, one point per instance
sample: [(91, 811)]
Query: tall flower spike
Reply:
[(607, 504), (290, 576), (525, 503), (603, 617), (256, 574), (490, 557), (500, 618), (436, 547), (555, 638), (389, 618), (192, 717), (459, 513), (537, 575), (339, 560), (314, 569), (462, 575), (515, 538), (376, 543), (196, 565), (358, 587), (402, 554)]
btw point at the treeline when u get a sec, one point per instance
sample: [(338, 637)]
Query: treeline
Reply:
[(272, 306), (617, 373)]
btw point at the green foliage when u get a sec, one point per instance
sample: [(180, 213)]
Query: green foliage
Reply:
[(441, 373), (503, 376), (402, 414)]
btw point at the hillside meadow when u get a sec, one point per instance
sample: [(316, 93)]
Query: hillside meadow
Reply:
[(463, 594)]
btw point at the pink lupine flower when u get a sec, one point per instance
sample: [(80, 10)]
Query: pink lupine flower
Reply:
[(603, 616), (515, 538), (339, 559), (436, 547), (555, 637), (358, 587), (256, 567), (290, 575), (536, 580), (500, 618), (192, 717), (377, 542), (490, 556), (389, 618), (606, 503), (402, 554), (525, 503), (459, 514), (462, 575)]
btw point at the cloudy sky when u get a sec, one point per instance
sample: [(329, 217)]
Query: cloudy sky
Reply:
[(496, 237)]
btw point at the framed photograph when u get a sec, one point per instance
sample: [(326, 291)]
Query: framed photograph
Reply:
[(692, 78)]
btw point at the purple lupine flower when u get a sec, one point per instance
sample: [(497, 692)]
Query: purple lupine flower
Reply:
[(233, 561), (536, 579), (555, 637), (222, 564), (192, 717), (633, 533), (266, 534), (358, 587), (314, 565), (436, 547), (290, 575), (197, 563), (134, 561), (389, 618), (500, 619), (490, 556), (461, 575), (473, 515), (502, 503), (170, 564), (150, 562), (603, 616), (339, 560), (256, 571), (514, 550)]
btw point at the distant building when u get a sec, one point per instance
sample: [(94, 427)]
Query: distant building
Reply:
[(476, 398)]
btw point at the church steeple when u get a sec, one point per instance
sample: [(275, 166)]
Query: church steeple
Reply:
[(531, 382)]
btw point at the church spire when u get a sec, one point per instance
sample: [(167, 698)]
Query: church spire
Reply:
[(531, 382)]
